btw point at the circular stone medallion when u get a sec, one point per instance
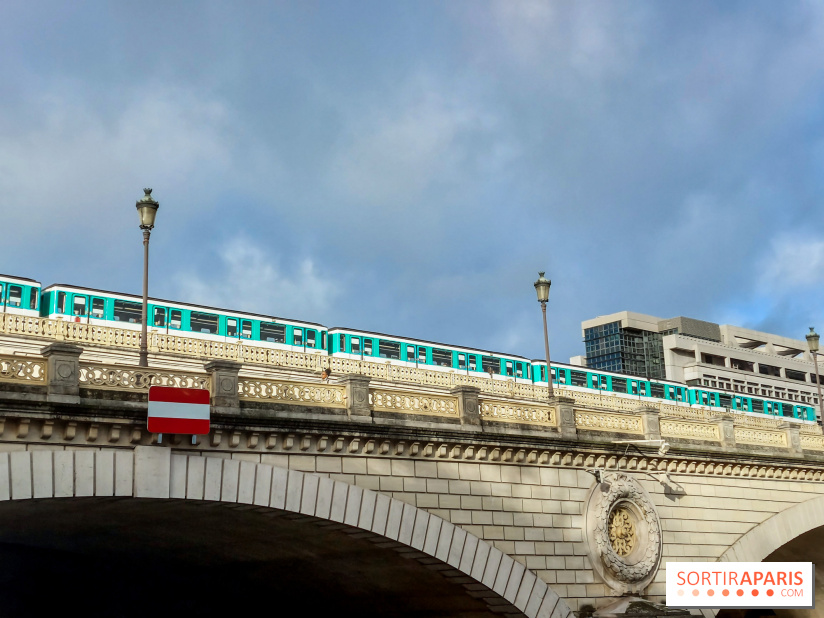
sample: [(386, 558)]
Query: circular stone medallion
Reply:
[(623, 533)]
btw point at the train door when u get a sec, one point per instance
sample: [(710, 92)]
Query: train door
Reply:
[(598, 382)]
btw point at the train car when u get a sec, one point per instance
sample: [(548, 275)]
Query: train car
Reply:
[(584, 379), (378, 347), (19, 296), (105, 308), (587, 380)]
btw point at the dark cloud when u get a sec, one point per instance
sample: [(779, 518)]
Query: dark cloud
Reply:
[(409, 168)]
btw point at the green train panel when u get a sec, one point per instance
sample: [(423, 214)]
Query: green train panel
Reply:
[(377, 347), (98, 307), (19, 296)]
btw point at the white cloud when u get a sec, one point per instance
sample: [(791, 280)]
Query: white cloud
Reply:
[(72, 164), (394, 155), (793, 262), (250, 278)]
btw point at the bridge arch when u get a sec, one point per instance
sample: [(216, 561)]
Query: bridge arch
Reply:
[(777, 531), (157, 473)]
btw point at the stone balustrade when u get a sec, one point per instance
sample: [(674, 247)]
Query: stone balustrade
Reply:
[(233, 371)]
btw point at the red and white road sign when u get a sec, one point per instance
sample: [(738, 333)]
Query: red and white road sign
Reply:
[(179, 410)]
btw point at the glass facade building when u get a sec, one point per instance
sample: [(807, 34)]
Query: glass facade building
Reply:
[(611, 347)]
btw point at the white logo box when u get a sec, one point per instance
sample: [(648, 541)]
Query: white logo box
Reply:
[(741, 585)]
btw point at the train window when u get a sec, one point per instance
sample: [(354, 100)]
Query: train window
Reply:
[(342, 343), (579, 378), (79, 305), (175, 318), (461, 361), (15, 295), (61, 302), (421, 354), (490, 364), (246, 329), (519, 370), (656, 390), (619, 385), (231, 327), (97, 307), (323, 340), (442, 358), (757, 405), (124, 311), (508, 367), (272, 332), (297, 336), (473, 363), (554, 373), (159, 316), (410, 353), (367, 347), (311, 337), (204, 322), (389, 349), (33, 299), (726, 401), (355, 341)]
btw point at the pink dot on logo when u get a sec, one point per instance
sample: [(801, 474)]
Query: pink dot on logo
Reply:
[(740, 593), (710, 592), (680, 593), (726, 593), (695, 593), (770, 592)]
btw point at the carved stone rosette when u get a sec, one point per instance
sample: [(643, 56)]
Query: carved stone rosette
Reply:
[(623, 533)]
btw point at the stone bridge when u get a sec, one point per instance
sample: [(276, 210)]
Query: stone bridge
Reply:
[(387, 489)]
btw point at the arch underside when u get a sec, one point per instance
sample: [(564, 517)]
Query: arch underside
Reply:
[(286, 536), (796, 534)]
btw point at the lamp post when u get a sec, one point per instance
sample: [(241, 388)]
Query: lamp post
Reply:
[(542, 288), (812, 341), (147, 209)]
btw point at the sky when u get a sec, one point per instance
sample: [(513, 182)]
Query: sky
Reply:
[(409, 167)]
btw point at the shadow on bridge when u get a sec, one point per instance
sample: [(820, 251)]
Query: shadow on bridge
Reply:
[(134, 533), (128, 557)]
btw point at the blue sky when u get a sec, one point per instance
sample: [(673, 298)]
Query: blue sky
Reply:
[(408, 167)]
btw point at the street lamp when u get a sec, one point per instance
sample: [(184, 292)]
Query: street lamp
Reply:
[(147, 209), (812, 341), (542, 288)]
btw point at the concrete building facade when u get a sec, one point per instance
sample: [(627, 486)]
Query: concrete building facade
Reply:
[(698, 353)]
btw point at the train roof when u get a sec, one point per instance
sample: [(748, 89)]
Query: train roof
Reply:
[(230, 312), (16, 279), (437, 343)]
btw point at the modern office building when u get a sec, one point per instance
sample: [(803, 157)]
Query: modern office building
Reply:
[(720, 356)]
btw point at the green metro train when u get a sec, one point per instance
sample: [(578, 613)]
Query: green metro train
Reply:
[(21, 296)]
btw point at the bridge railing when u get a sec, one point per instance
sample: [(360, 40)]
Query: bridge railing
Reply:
[(394, 388)]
